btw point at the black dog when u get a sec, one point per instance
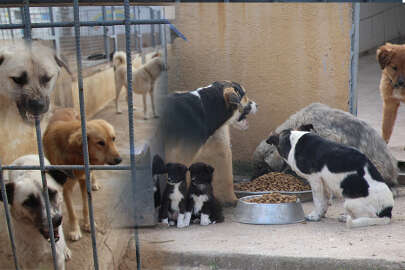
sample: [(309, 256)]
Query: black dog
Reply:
[(201, 203), (158, 168), (174, 196)]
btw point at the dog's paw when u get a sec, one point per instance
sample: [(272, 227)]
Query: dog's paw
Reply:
[(172, 223), (95, 186), (118, 111), (342, 218), (349, 222), (87, 227), (205, 220), (165, 221), (68, 254), (313, 217), (75, 235)]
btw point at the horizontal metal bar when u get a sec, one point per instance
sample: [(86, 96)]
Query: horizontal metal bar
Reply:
[(36, 3), (68, 167), (85, 23)]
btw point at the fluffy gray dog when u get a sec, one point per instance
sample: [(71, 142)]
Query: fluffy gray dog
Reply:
[(335, 125)]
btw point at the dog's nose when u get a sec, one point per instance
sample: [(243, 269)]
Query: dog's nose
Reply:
[(401, 82), (36, 106), (57, 220), (117, 160)]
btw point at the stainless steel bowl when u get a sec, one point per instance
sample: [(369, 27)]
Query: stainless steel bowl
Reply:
[(304, 196), (259, 213)]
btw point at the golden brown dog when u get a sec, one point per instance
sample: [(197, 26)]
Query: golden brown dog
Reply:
[(63, 146), (391, 58), (143, 79)]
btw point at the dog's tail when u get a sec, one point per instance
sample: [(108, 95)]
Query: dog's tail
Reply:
[(119, 58), (366, 221)]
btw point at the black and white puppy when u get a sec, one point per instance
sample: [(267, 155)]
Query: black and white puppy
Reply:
[(174, 196), (201, 203), (27, 207), (158, 168), (333, 168)]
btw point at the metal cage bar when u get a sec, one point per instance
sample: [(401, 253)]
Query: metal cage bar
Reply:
[(27, 26)]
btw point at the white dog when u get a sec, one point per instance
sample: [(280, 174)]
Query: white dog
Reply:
[(28, 75), (143, 79), (27, 206), (333, 168)]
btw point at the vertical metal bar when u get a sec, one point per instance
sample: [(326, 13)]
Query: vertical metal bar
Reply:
[(45, 188), (136, 29), (113, 29), (164, 40), (10, 22), (140, 36), (152, 28), (83, 127), (8, 219), (131, 121), (50, 10), (105, 34), (354, 58), (26, 19), (160, 29)]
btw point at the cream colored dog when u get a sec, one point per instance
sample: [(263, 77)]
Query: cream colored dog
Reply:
[(143, 79), (28, 76)]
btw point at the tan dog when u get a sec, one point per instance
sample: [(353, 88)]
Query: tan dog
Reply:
[(63, 146), (143, 79), (28, 76), (195, 128), (392, 85)]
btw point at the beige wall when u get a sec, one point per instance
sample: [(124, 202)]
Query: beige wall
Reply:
[(285, 55)]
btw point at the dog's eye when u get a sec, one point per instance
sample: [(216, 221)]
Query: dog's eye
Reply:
[(101, 143), (52, 194), (21, 80), (113, 139), (395, 68), (31, 202), (44, 79)]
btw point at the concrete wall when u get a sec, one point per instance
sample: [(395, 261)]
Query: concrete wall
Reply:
[(286, 55), (380, 23)]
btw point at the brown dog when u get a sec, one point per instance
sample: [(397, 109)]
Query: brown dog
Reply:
[(392, 85), (63, 146)]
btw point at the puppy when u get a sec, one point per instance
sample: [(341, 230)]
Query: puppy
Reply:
[(63, 146), (201, 203), (27, 205), (158, 168), (143, 79), (174, 196), (392, 84), (28, 76), (333, 168), (195, 125)]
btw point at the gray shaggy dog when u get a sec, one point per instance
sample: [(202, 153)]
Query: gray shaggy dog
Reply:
[(335, 125)]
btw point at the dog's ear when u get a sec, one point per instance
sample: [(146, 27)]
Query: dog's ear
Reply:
[(231, 97), (273, 139), (62, 63), (158, 165), (10, 193), (157, 54), (75, 139), (209, 169), (384, 55), (60, 176), (307, 127)]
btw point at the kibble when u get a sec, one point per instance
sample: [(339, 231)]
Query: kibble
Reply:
[(273, 198), (274, 181)]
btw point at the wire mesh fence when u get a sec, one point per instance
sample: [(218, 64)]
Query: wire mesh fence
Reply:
[(83, 34)]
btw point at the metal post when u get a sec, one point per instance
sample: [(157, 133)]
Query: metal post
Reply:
[(135, 29), (140, 37), (83, 127), (113, 30), (164, 40), (131, 122), (160, 29), (354, 58), (152, 28), (8, 219), (10, 22), (51, 20), (26, 19), (105, 34)]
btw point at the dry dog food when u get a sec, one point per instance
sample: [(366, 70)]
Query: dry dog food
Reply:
[(273, 181), (273, 198)]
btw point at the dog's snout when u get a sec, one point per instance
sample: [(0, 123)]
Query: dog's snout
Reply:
[(57, 221), (401, 81), (117, 160), (36, 105)]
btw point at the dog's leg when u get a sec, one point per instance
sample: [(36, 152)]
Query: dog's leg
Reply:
[(390, 109), (361, 215), (152, 99), (144, 107), (205, 215), (181, 218), (94, 183), (86, 219), (118, 87), (189, 210), (75, 233), (320, 201), (164, 210)]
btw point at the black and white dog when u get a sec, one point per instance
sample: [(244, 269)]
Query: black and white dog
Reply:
[(158, 168), (201, 203), (27, 207), (333, 168), (174, 196)]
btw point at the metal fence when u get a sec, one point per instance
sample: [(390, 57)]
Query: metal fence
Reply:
[(27, 24)]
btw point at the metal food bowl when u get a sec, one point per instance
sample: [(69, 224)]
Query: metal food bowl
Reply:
[(260, 213), (304, 196)]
